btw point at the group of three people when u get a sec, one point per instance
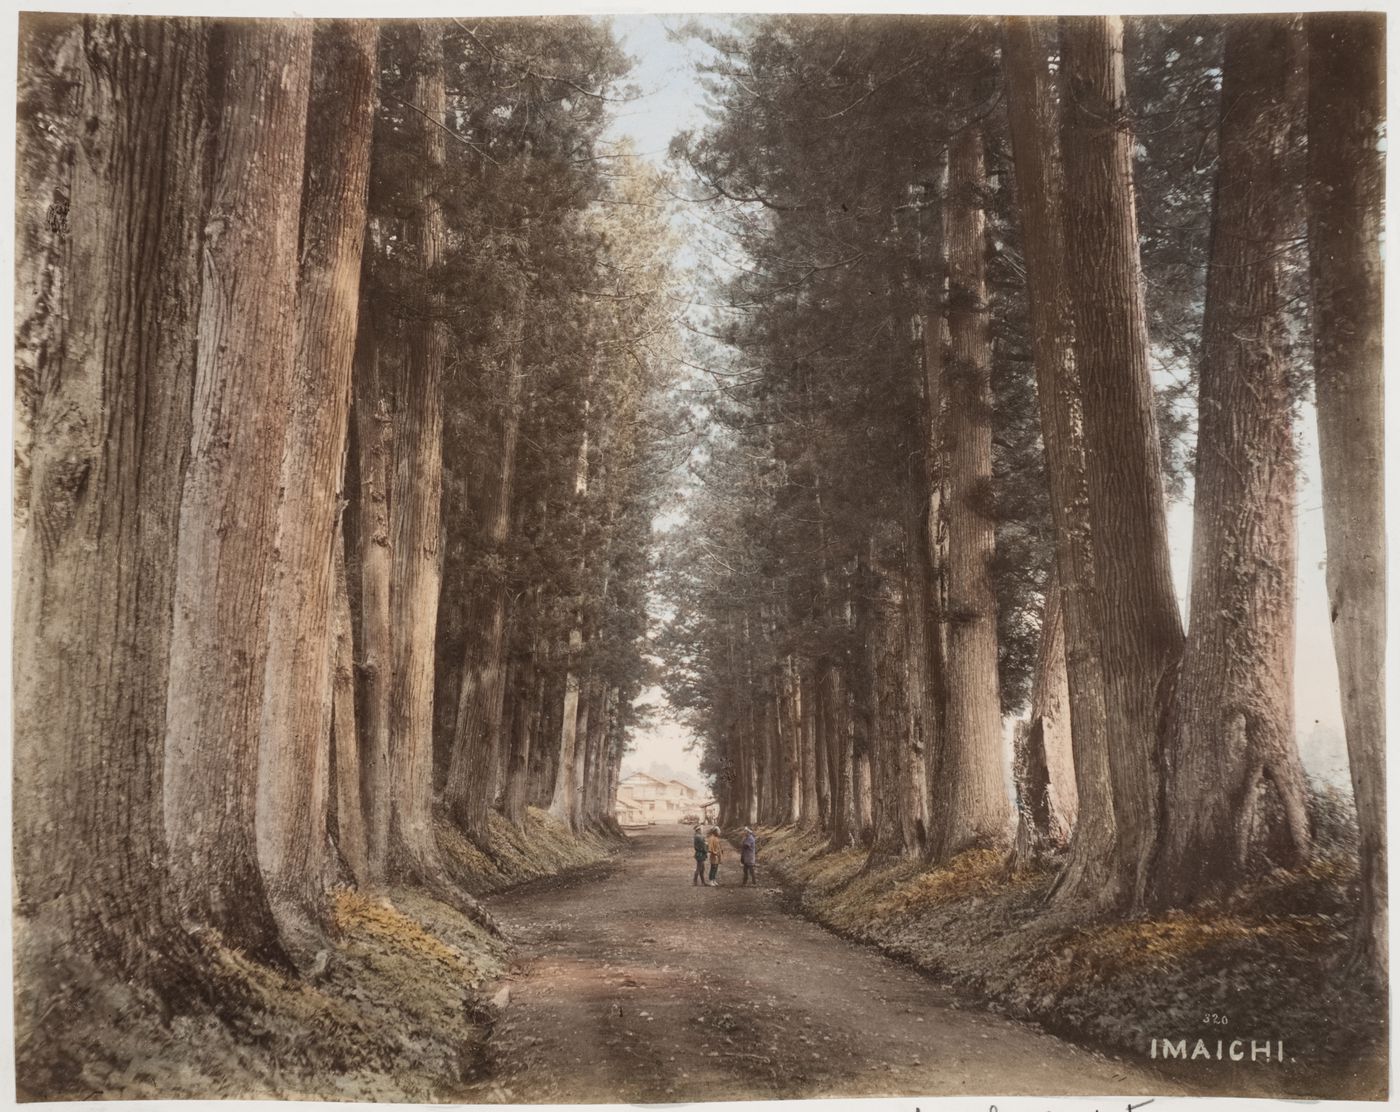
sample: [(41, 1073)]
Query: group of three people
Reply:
[(710, 849)]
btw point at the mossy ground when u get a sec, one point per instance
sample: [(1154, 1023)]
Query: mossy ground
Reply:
[(1272, 961), (398, 1016)]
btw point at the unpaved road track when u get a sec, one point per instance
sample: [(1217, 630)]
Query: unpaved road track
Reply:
[(633, 985)]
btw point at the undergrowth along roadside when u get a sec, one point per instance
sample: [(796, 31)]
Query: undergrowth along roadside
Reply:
[(1269, 962), (399, 1014)]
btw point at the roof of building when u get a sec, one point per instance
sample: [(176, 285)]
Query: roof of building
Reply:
[(642, 776)]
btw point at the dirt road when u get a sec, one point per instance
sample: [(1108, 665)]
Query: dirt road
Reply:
[(636, 986)]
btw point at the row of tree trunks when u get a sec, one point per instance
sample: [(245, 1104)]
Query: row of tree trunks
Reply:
[(1033, 110), (1160, 762), (294, 759), (211, 377)]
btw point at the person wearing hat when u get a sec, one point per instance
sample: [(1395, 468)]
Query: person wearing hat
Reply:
[(713, 844), (748, 854), (701, 852)]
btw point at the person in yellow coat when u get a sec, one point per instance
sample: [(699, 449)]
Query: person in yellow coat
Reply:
[(713, 845)]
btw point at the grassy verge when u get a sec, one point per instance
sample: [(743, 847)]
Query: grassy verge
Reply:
[(399, 1015), (1270, 962)]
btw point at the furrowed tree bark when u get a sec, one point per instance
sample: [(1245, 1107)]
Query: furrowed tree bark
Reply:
[(934, 546), (821, 750), (345, 738), (587, 695), (1345, 194), (415, 509), (831, 704), (474, 768), (1048, 800), (95, 570), (1231, 735), (548, 716), (1033, 110), (563, 802), (374, 439), (969, 806), (922, 731), (792, 711), (49, 93), (895, 723), (599, 723), (294, 753), (806, 702), (520, 685), (881, 823), (524, 685), (228, 508), (1138, 620), (415, 501)]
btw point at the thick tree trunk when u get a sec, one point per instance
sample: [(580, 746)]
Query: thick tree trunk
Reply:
[(1047, 796), (228, 510), (792, 735), (921, 732), (1089, 874), (520, 685), (934, 546), (1231, 736), (863, 791), (820, 750), (345, 738), (294, 754), (374, 439), (95, 572), (837, 729), (1346, 99), (415, 503), (749, 747), (548, 718), (595, 778), (893, 725), (807, 735), (880, 825), (588, 690), (1138, 620), (476, 747), (970, 806), (561, 806)]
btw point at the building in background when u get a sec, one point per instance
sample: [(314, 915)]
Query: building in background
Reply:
[(643, 800)]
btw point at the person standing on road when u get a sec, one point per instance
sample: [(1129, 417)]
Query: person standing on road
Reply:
[(701, 852), (748, 855), (713, 845)]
